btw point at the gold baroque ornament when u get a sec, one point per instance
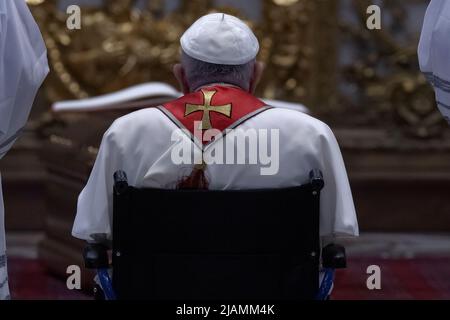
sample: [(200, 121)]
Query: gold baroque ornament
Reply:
[(120, 45), (301, 41), (390, 91)]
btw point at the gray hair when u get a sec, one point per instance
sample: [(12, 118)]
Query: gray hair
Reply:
[(199, 73)]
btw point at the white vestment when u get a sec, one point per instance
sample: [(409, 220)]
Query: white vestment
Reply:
[(434, 52), (23, 67), (141, 144)]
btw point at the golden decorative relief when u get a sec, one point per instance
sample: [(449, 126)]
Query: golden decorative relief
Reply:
[(301, 43)]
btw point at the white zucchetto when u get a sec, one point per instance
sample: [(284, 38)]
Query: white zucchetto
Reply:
[(220, 39)]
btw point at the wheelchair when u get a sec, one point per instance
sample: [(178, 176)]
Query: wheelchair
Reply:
[(215, 245)]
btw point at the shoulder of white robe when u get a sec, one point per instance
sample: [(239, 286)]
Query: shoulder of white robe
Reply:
[(434, 10)]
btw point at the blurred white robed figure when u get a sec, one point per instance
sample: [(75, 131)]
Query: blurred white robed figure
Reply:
[(218, 68), (23, 67), (434, 52)]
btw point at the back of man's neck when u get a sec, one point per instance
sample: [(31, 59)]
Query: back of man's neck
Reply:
[(217, 84)]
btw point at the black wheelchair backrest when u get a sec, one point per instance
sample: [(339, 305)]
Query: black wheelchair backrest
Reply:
[(227, 244)]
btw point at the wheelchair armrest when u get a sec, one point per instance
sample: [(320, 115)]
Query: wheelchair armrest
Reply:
[(333, 256), (96, 256), (120, 182)]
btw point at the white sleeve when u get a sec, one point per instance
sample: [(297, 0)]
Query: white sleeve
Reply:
[(337, 210), (23, 67), (95, 202), (429, 23), (434, 52)]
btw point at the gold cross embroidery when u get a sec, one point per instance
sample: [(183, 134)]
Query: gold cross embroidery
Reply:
[(206, 108)]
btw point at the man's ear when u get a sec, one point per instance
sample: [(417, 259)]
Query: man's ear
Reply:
[(179, 74), (256, 77)]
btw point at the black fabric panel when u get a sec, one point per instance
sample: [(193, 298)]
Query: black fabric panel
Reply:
[(191, 244)]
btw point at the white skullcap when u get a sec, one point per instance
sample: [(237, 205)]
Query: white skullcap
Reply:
[(220, 39)]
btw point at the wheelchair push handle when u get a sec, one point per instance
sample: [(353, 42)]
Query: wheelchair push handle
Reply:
[(316, 179), (95, 256), (120, 181)]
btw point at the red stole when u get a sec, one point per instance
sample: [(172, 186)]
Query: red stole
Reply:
[(218, 107)]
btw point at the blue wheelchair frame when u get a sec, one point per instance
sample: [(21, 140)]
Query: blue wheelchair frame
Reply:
[(322, 294)]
